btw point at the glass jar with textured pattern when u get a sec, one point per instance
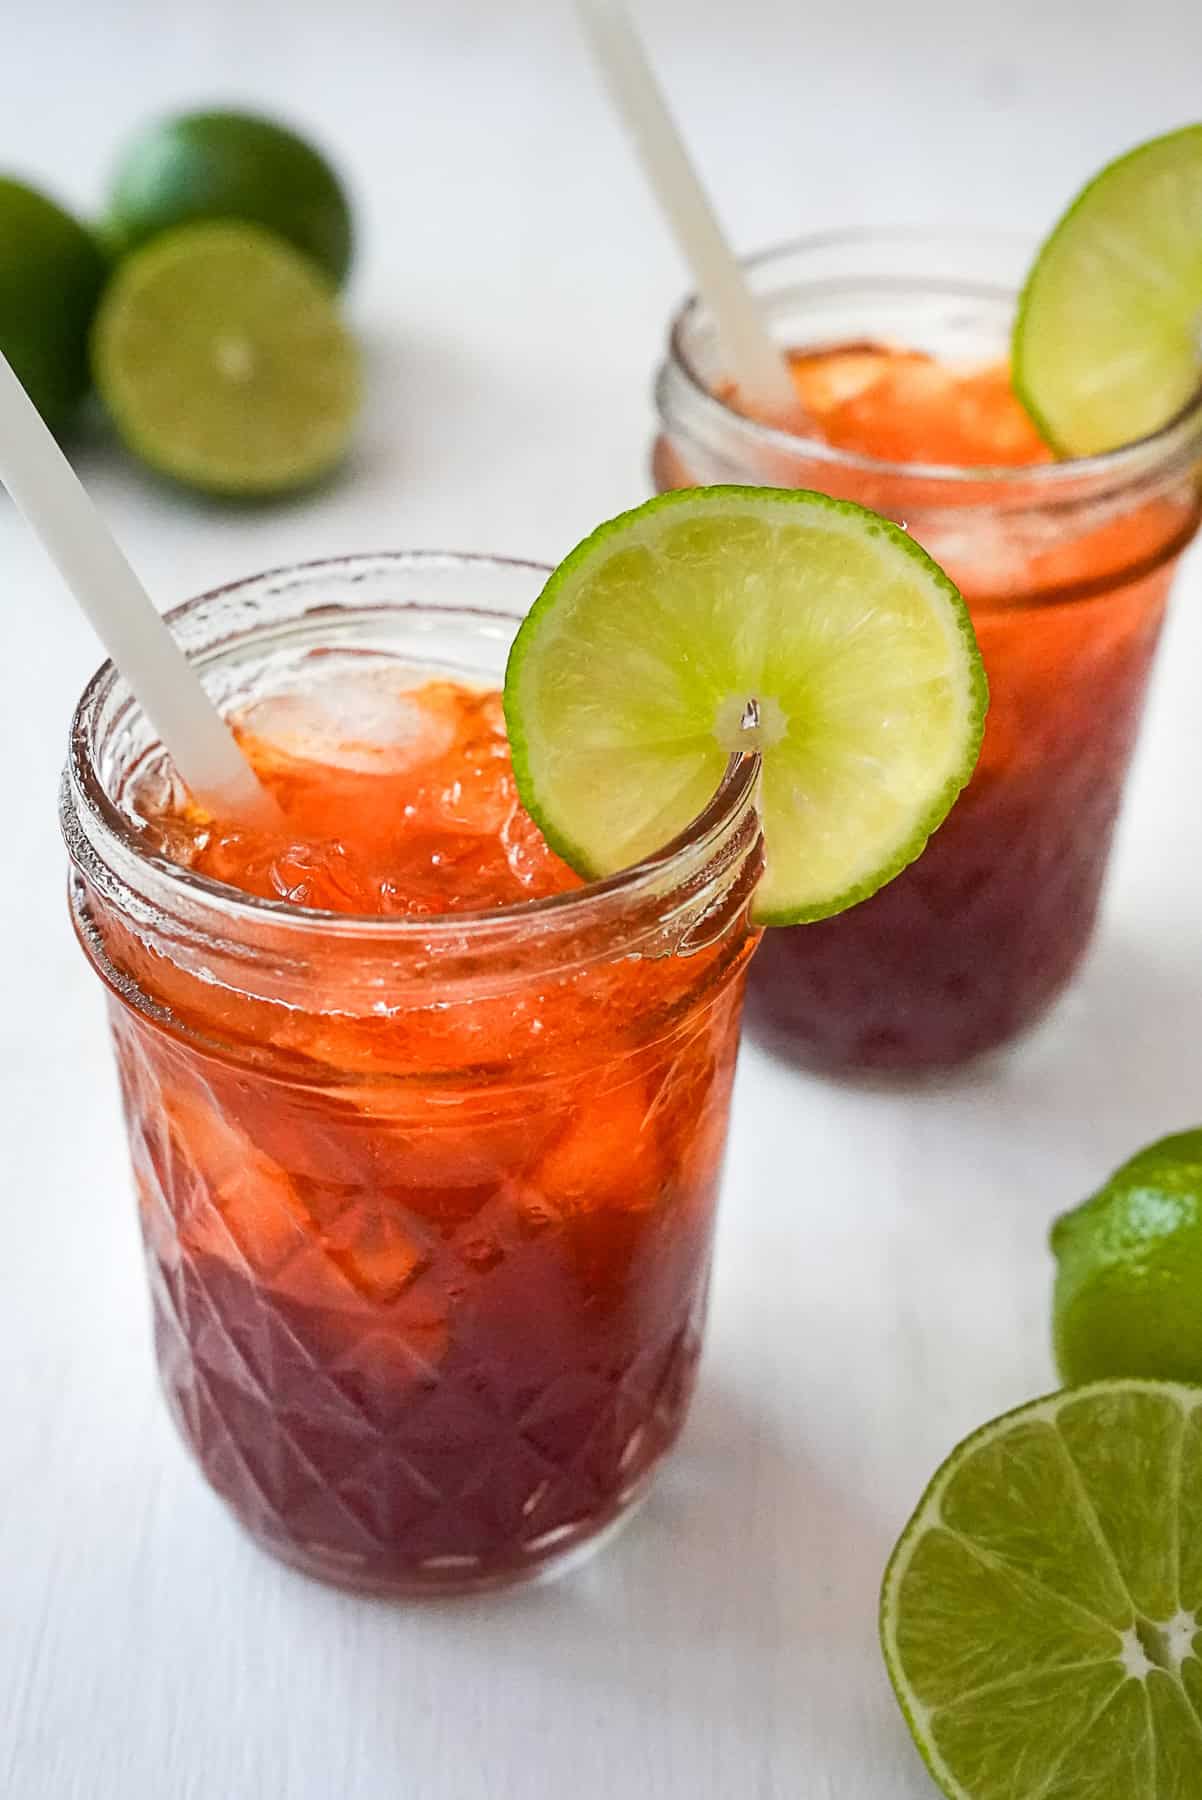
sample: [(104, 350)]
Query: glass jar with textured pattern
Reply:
[(427, 1202), (1066, 567)]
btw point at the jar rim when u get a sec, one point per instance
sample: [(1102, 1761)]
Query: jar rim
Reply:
[(103, 841), (1053, 480)]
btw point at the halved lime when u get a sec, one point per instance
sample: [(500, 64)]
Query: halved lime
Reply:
[(1108, 338), (1042, 1614), (220, 354), (724, 619)]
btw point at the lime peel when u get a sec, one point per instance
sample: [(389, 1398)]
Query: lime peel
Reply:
[(52, 272), (231, 165), (1128, 1293)]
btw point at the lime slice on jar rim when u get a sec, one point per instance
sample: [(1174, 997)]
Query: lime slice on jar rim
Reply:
[(718, 620), (1107, 344), (1040, 1614), (220, 355)]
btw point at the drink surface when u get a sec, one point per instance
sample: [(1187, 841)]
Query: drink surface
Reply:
[(394, 801), (905, 406), (429, 1283), (972, 943)]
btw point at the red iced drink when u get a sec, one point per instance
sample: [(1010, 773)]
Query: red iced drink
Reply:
[(1066, 569), (426, 1134)]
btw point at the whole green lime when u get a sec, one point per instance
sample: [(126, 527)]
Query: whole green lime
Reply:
[(51, 274), (231, 165), (1128, 1297)]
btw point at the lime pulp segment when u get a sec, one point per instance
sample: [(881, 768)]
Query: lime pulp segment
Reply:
[(220, 354), (1108, 337), (722, 619), (1041, 1613)]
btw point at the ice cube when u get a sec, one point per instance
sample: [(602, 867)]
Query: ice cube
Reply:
[(609, 1156), (229, 1199), (368, 720)]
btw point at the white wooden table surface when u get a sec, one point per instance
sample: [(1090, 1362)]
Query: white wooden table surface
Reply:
[(882, 1278)]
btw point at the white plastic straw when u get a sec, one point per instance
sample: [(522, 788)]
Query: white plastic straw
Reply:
[(166, 686), (754, 361)]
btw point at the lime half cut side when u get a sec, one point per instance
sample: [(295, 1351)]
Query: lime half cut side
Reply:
[(1108, 337), (221, 357), (1041, 1614), (726, 619)]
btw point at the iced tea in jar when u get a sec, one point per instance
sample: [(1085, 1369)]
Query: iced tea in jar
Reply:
[(426, 1133), (898, 347)]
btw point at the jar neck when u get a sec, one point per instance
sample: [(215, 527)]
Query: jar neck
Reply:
[(433, 614), (679, 902)]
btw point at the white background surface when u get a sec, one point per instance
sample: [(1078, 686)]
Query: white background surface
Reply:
[(882, 1278)]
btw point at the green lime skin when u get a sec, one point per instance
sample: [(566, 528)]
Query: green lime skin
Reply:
[(231, 165), (1128, 1294), (51, 273)]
